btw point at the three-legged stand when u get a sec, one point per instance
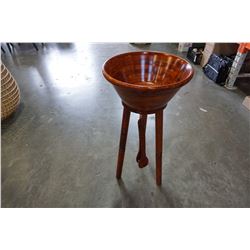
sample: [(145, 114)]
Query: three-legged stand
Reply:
[(141, 156)]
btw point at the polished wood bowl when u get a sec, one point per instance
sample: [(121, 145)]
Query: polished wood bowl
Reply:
[(147, 80)]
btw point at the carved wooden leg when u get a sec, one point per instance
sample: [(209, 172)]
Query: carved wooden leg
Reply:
[(158, 143), (141, 156), (123, 139)]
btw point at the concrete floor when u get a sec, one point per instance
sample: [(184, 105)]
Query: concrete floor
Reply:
[(60, 148)]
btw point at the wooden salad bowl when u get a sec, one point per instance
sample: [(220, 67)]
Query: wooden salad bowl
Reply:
[(145, 81)]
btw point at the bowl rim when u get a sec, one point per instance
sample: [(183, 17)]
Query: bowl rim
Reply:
[(147, 87)]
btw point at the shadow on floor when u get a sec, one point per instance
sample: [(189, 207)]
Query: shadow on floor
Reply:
[(12, 118), (126, 200), (132, 199), (243, 85)]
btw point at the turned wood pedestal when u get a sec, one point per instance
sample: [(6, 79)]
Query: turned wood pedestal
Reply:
[(145, 81), (141, 157)]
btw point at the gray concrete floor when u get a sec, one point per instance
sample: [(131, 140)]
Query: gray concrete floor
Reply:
[(60, 147)]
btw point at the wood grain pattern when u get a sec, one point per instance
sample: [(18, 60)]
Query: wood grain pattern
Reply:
[(158, 144), (141, 158), (146, 81), (123, 139)]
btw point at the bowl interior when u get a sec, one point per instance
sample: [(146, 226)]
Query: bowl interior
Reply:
[(148, 68)]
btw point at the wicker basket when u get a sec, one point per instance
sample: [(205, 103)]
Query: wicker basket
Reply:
[(10, 94)]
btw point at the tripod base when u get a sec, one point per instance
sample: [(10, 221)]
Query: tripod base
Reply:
[(141, 158)]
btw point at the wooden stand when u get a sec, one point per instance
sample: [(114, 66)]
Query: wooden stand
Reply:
[(145, 81), (141, 156)]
